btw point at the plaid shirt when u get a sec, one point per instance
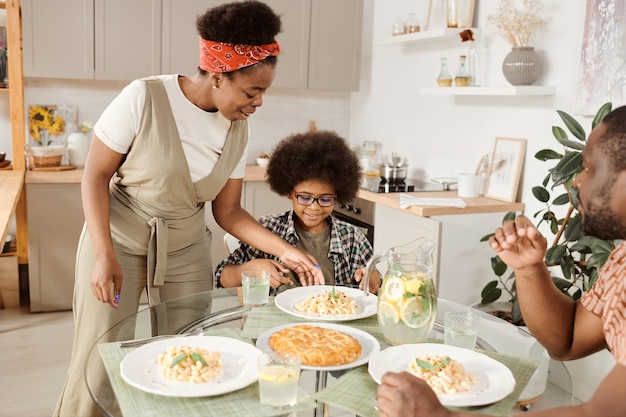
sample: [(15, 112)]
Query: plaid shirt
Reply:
[(349, 248)]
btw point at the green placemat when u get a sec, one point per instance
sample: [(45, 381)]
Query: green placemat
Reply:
[(136, 403), (355, 391)]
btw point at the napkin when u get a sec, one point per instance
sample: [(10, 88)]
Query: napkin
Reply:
[(407, 201)]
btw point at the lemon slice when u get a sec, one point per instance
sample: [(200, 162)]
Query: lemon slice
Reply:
[(413, 286), (413, 315), (388, 313), (277, 374), (393, 289)]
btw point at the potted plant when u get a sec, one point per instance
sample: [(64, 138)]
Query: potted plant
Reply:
[(579, 256)]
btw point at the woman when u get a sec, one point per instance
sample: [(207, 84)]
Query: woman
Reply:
[(161, 149), (313, 170)]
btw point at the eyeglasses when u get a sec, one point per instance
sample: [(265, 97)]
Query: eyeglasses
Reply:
[(307, 200)]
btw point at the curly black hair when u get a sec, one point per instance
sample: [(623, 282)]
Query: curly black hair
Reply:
[(248, 22), (323, 156), (613, 142)]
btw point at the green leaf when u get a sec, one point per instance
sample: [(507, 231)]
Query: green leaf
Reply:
[(178, 359), (541, 194), (491, 296), (555, 254), (427, 366), (547, 154), (333, 294), (562, 284), (573, 230), (486, 237), (561, 200), (197, 358), (511, 215), (570, 165), (498, 267), (603, 111), (572, 125)]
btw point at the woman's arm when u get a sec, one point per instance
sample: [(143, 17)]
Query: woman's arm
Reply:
[(231, 217), (99, 168)]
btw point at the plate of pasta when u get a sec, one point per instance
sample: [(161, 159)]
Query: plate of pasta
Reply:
[(460, 377), (327, 303), (191, 366)]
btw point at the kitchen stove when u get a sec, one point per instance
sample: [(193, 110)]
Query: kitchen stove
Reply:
[(380, 185)]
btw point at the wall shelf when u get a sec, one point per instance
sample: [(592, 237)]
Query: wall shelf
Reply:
[(426, 36), (510, 90)]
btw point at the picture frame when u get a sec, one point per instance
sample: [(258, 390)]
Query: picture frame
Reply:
[(505, 169), (437, 14)]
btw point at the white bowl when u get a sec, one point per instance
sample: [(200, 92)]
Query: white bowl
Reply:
[(262, 162)]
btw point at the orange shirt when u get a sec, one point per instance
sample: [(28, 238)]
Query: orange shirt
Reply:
[(607, 299)]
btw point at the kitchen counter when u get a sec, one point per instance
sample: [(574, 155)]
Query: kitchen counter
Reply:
[(11, 183), (475, 205)]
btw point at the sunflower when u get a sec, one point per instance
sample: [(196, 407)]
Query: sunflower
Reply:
[(42, 119)]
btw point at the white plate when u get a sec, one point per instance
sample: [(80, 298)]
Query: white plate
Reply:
[(239, 364), (365, 305), (369, 344), (494, 380)]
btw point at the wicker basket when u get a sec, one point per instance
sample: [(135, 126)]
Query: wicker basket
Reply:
[(44, 161), (45, 157)]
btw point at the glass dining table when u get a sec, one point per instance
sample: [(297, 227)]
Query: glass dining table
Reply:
[(220, 313)]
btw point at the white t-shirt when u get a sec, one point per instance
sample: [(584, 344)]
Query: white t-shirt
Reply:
[(202, 133)]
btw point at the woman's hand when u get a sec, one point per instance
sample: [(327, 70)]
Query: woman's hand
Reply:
[(106, 281), (304, 265)]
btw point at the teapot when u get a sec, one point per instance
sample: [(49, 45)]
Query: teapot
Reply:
[(407, 300)]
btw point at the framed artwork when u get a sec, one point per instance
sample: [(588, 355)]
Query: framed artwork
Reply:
[(505, 169), (438, 16)]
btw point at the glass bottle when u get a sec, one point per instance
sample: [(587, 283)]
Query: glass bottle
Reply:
[(444, 79), (398, 28), (473, 63), (412, 25), (462, 78), (452, 13)]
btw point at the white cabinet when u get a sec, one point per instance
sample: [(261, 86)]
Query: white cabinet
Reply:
[(321, 44), (91, 39), (55, 220)]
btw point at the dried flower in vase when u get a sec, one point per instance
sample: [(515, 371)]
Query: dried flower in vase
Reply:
[(517, 26), (86, 126)]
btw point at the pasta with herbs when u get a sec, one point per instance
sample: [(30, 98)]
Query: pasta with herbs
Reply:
[(443, 374), (328, 303), (190, 364)]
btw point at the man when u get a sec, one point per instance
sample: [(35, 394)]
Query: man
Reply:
[(574, 329)]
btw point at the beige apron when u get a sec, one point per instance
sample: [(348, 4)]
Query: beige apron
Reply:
[(159, 234)]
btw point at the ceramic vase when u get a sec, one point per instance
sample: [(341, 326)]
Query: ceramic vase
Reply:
[(78, 146), (522, 66)]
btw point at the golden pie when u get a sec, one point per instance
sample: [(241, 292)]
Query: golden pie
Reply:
[(316, 346)]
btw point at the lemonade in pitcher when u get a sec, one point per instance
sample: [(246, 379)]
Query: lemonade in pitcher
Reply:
[(407, 307), (407, 300)]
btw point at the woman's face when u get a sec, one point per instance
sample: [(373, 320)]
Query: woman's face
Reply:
[(238, 96), (312, 218)]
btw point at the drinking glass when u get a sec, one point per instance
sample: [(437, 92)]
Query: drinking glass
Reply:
[(461, 329), (279, 374), (256, 287)]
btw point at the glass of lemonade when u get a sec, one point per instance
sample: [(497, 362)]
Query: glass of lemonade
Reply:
[(256, 287), (279, 375), (407, 306)]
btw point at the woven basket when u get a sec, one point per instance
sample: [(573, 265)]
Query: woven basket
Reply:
[(44, 161)]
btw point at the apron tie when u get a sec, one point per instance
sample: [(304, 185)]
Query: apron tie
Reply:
[(157, 257)]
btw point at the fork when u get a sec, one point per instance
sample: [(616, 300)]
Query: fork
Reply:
[(140, 342)]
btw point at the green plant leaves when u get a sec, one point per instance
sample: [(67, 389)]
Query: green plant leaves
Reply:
[(547, 154), (541, 194), (603, 111), (573, 126), (570, 165)]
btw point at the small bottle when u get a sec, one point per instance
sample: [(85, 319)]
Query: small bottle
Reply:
[(398, 28), (444, 79), (473, 63), (462, 78), (412, 25)]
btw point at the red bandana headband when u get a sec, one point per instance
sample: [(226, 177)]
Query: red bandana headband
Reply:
[(226, 57)]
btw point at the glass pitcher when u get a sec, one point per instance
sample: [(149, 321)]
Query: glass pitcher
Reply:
[(407, 300)]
